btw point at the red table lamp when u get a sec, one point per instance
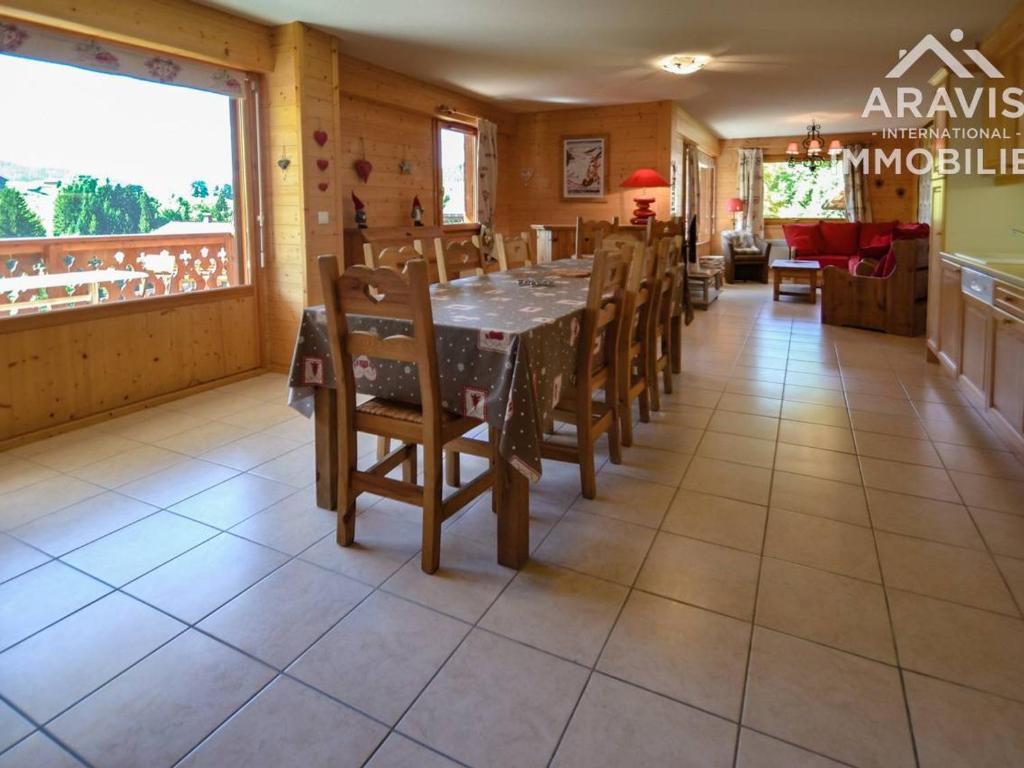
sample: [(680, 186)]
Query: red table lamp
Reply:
[(734, 206), (644, 179)]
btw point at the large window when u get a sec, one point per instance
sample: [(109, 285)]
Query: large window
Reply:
[(796, 192), (113, 188), (456, 172)]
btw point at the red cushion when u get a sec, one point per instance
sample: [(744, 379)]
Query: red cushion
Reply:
[(870, 231), (840, 237), (910, 231), (826, 260), (852, 264), (887, 265), (812, 232)]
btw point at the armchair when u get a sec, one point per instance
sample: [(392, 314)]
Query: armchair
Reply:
[(746, 256)]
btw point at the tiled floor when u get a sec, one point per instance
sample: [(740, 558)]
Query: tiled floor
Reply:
[(813, 556)]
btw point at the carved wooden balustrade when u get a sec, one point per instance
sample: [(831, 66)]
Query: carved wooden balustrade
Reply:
[(174, 263)]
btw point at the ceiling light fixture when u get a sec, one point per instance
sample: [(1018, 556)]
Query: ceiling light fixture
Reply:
[(813, 145), (684, 63)]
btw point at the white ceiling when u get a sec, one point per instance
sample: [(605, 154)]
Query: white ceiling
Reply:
[(777, 62)]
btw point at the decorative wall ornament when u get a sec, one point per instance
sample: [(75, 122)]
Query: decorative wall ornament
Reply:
[(322, 164), (284, 162), (363, 166), (322, 186), (584, 167), (404, 167), (360, 211), (417, 212), (526, 174), (320, 136)]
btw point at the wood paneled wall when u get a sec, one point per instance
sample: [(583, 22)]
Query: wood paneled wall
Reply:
[(639, 136), (886, 202)]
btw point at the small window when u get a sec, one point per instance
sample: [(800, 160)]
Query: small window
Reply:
[(797, 192), (142, 184), (456, 172)]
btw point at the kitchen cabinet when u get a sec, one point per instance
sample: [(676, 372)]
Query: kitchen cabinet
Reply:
[(1008, 371), (950, 311), (937, 236), (974, 349)]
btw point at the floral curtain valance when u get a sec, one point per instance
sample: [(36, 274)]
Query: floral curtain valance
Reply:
[(34, 42)]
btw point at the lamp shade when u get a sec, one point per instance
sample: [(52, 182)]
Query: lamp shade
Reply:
[(734, 205), (793, 148), (835, 147), (645, 177)]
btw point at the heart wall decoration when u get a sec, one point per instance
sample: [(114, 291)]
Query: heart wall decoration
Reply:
[(322, 164), (320, 137), (363, 169), (322, 186)]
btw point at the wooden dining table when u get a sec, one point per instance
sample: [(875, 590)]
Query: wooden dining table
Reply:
[(506, 345)]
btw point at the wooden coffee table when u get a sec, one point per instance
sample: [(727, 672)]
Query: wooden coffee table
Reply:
[(803, 276), (705, 285)]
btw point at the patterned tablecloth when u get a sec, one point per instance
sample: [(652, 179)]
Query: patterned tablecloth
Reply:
[(506, 345)]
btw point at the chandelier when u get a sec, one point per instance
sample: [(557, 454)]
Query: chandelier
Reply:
[(812, 149)]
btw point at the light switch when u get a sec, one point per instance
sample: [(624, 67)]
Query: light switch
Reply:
[(323, 217)]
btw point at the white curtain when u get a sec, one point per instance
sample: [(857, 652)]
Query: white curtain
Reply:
[(487, 184), (750, 188), (858, 205)]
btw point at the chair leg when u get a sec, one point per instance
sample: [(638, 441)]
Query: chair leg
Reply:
[(409, 467), (492, 438), (383, 447), (430, 557), (453, 469), (652, 373), (626, 412), (675, 346)]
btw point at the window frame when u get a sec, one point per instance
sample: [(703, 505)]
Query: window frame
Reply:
[(246, 158), (440, 125), (780, 220)]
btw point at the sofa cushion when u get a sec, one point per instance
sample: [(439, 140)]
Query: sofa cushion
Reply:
[(887, 265), (910, 231), (744, 250), (875, 239), (805, 238), (840, 237)]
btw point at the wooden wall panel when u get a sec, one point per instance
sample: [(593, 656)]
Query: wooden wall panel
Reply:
[(56, 374), (886, 203)]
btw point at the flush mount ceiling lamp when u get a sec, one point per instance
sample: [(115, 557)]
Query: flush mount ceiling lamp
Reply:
[(813, 149), (684, 63)]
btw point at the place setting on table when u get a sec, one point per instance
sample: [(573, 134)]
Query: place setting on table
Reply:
[(506, 346)]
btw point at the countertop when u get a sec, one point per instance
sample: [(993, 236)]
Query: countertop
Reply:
[(1006, 267)]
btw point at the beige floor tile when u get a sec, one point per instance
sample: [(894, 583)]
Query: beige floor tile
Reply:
[(33, 501), (557, 610), (1003, 532), (990, 492), (816, 380), (976, 434), (925, 518), (193, 682), (868, 387), (737, 448), (702, 398), (821, 543), (480, 523), (496, 703), (828, 701), (960, 644), (599, 546), (1013, 571), (16, 557), (130, 552), (384, 543), (288, 723), (465, 585), (725, 478), (37, 750), (828, 465), (666, 437), (815, 414), (656, 466), (53, 669), (291, 525), (13, 727), (840, 612), (895, 448), (955, 412), (756, 373), (677, 415), (265, 416), (930, 482), (805, 366), (873, 403), (816, 395), (201, 580), (205, 437), (703, 574), (64, 530), (759, 751), (761, 427), (628, 499), (716, 519), (16, 473), (251, 451), (76, 449), (818, 496), (169, 486), (400, 752), (886, 424), (686, 653), (940, 570), (981, 461), (380, 656), (296, 468), (229, 503), (816, 435), (617, 724), (285, 613), (958, 727), (115, 471), (744, 386), (760, 406)]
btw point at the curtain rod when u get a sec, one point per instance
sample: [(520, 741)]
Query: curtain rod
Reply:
[(447, 111)]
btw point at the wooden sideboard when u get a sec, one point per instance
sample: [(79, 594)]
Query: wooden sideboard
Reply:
[(979, 338)]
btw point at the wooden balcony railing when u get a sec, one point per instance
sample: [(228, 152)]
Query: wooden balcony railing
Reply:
[(173, 263)]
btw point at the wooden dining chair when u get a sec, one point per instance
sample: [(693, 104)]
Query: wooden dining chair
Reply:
[(656, 230), (513, 251), (387, 293), (635, 338), (670, 254), (596, 370), (589, 235), (457, 257), (397, 256), (623, 239)]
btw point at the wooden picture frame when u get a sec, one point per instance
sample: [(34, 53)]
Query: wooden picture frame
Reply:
[(585, 164)]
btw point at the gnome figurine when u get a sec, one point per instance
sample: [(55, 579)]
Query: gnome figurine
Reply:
[(417, 212), (360, 211)]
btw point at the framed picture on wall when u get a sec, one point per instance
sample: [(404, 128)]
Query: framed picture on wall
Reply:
[(584, 167)]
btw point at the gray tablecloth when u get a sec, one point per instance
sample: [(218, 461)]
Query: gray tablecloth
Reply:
[(505, 350)]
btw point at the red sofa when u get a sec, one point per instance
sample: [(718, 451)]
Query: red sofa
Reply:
[(845, 244)]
